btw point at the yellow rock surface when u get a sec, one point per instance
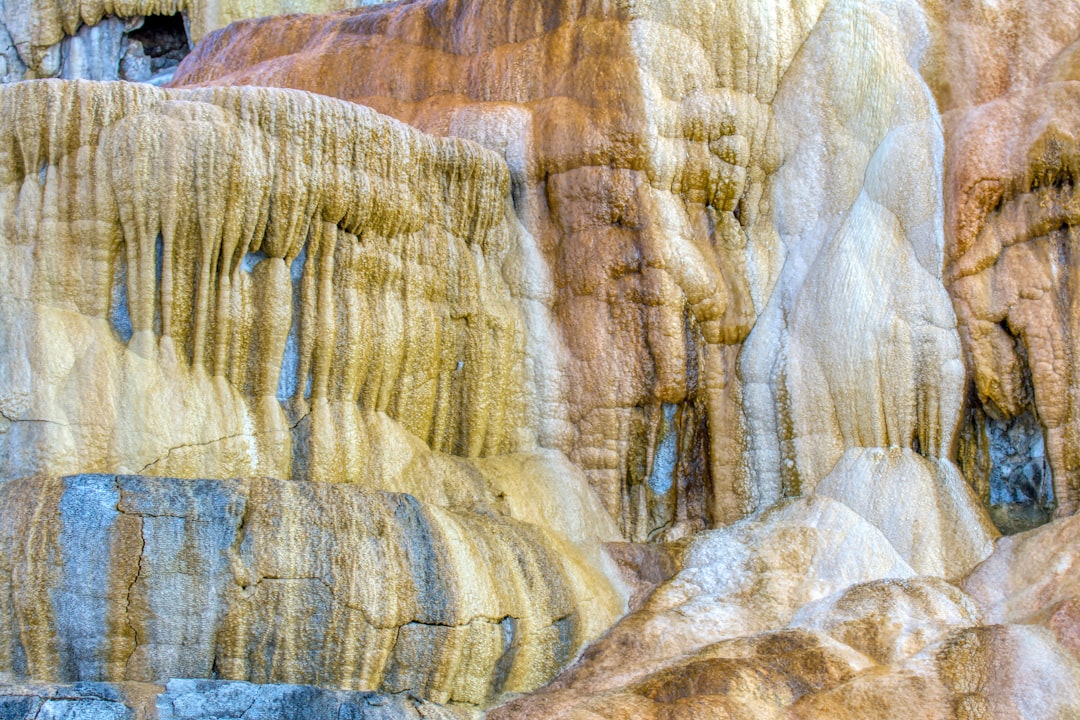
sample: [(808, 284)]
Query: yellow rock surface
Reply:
[(754, 280), (238, 283), (174, 263)]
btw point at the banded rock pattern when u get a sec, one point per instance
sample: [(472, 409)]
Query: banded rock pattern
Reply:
[(126, 578), (272, 263), (644, 144), (783, 286), (337, 310)]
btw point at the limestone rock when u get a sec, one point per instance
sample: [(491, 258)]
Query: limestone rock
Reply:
[(657, 199), (256, 269), (998, 671), (859, 215), (889, 621), (1010, 222), (705, 304), (51, 38), (209, 700), (1030, 575), (924, 507), (639, 143), (747, 579), (137, 579)]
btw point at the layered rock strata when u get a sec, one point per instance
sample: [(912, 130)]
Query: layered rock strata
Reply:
[(665, 175), (695, 291), (267, 283), (138, 579)]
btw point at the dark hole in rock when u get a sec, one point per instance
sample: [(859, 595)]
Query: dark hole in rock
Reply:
[(1005, 460), (164, 41), (1021, 491)]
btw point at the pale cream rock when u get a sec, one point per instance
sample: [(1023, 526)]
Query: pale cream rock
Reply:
[(858, 345), (890, 620), (1029, 574), (925, 508), (749, 578)]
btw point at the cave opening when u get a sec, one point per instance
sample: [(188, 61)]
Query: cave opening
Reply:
[(156, 48), (1005, 460)]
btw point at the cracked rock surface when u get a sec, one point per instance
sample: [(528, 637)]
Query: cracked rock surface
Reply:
[(566, 359), (210, 700), (138, 579)]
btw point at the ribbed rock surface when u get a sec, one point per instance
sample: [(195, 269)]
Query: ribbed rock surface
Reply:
[(138, 579), (736, 315), (243, 283), (639, 159), (658, 200), (242, 273)]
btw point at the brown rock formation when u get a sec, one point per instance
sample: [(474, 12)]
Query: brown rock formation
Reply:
[(637, 176), (31, 31), (718, 277), (660, 174), (1009, 199)]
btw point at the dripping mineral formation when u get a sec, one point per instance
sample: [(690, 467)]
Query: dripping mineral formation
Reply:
[(557, 359)]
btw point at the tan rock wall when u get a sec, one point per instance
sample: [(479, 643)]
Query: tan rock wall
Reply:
[(1007, 79), (31, 31), (221, 283), (652, 194)]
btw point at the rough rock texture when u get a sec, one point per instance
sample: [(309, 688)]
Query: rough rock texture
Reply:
[(658, 201), (739, 316), (96, 39), (243, 275), (209, 700), (1010, 208), (336, 309), (131, 578), (801, 615)]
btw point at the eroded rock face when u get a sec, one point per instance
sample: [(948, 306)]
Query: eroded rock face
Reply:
[(666, 176), (694, 292), (136, 579), (639, 168), (101, 39), (1011, 268), (275, 265), (337, 310)]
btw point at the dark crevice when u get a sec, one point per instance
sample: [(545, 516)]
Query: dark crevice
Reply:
[(1005, 461), (164, 41)]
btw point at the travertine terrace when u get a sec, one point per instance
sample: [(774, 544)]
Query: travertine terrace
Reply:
[(553, 359)]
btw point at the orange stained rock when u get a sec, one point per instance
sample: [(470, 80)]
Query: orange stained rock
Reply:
[(1011, 264), (36, 28), (640, 142)]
